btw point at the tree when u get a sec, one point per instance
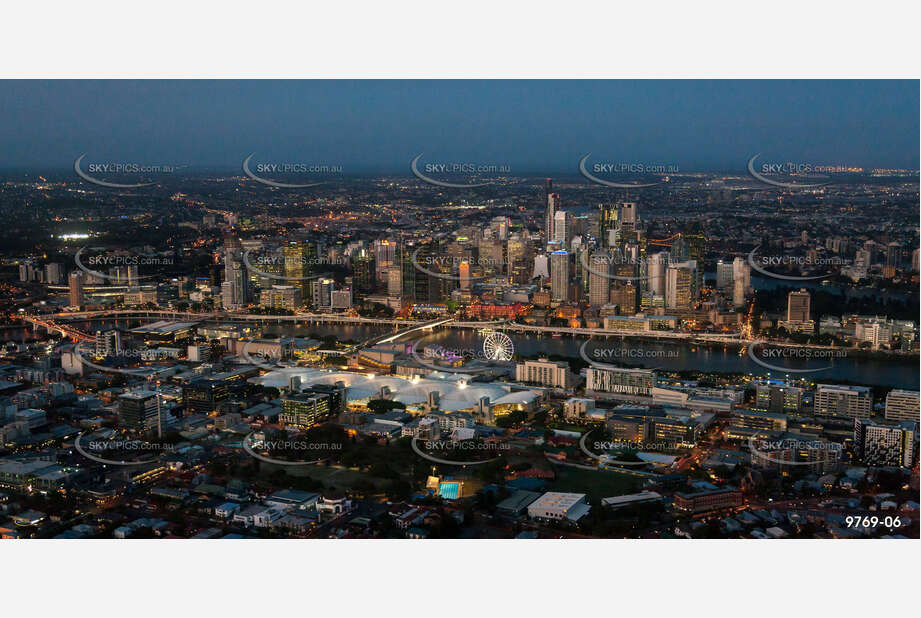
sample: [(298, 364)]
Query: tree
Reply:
[(382, 406)]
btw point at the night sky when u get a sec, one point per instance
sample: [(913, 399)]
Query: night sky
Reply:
[(531, 126)]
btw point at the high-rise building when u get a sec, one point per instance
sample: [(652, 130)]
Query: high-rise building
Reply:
[(599, 280), (553, 203), (658, 262), (364, 274), (798, 306), (843, 401), (902, 406), (300, 259), (616, 380), (54, 273), (281, 297), (559, 276), (322, 293), (724, 275), (108, 343), (778, 398), (341, 299), (680, 285), (394, 281), (236, 290), (562, 228), (545, 372), (137, 410), (541, 267), (885, 445), (305, 409), (76, 288), (894, 255)]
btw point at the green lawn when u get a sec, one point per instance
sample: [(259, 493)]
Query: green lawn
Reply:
[(597, 484)]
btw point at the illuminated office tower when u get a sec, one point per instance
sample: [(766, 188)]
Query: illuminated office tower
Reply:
[(54, 273), (629, 220), (741, 281), (464, 273), (281, 297), (548, 216), (679, 285), (724, 275), (499, 227), (322, 293), (599, 280), (562, 228), (394, 281), (607, 223), (76, 288), (363, 271), (657, 264), (541, 267), (300, 259), (559, 276), (798, 306), (902, 405), (553, 203), (385, 255), (843, 401)]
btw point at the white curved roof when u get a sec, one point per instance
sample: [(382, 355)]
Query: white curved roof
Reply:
[(455, 393), (522, 397)]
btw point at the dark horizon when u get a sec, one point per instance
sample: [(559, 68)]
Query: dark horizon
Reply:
[(533, 127)]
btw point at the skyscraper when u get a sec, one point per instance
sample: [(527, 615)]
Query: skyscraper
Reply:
[(553, 203), (559, 276), (562, 228), (798, 306), (599, 280), (680, 285), (658, 262), (724, 278), (885, 445), (76, 288)]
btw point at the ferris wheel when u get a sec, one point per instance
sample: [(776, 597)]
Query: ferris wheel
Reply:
[(498, 346)]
